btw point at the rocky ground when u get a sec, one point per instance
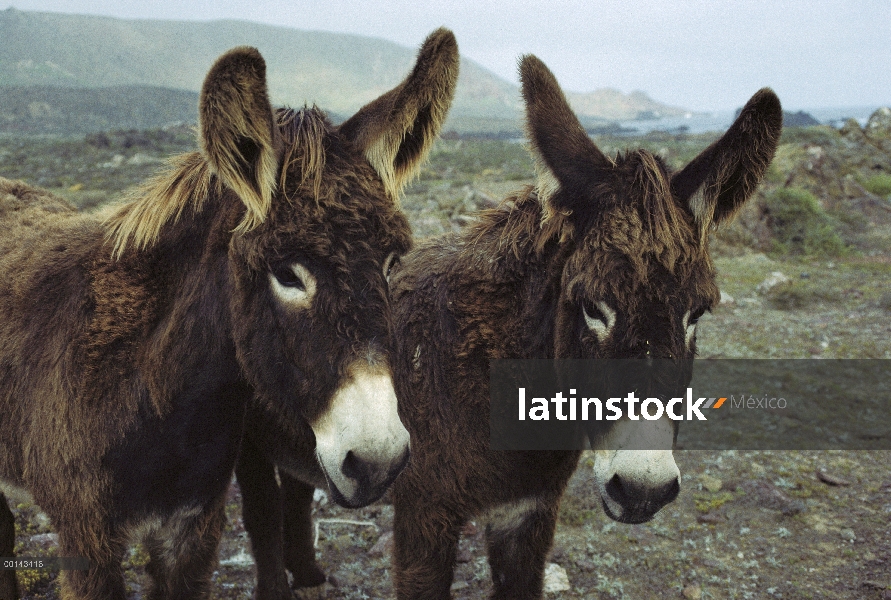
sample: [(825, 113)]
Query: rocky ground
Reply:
[(747, 524)]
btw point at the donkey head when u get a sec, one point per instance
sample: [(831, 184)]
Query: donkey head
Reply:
[(318, 230), (637, 274)]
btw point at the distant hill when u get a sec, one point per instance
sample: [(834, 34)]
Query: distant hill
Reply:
[(67, 111), (613, 105), (338, 72)]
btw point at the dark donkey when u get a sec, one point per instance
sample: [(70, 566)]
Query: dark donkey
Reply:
[(603, 258), (129, 348)]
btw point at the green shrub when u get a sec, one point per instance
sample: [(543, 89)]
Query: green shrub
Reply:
[(800, 225), (797, 295), (817, 135), (880, 185)]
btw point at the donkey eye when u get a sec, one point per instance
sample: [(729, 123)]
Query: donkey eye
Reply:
[(389, 264), (690, 321), (592, 313), (696, 315), (293, 284), (599, 317), (288, 278)]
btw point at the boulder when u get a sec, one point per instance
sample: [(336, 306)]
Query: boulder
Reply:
[(879, 124), (878, 129)]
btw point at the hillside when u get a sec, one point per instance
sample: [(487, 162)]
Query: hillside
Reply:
[(336, 71), (69, 111)]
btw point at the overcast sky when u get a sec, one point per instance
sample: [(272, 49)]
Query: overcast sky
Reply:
[(697, 54)]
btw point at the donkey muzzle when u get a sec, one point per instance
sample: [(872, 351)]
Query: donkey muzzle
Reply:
[(636, 484), (361, 444)]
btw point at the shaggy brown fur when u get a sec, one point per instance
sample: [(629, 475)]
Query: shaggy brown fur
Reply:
[(625, 232), (129, 349)]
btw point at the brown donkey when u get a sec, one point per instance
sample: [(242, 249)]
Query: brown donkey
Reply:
[(603, 259), (129, 347)]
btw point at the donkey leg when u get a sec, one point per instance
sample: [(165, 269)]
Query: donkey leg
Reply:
[(518, 547), (300, 552), (183, 553), (261, 506), (426, 544), (104, 580), (9, 589)]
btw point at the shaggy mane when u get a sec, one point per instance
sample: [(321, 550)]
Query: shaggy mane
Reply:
[(188, 181)]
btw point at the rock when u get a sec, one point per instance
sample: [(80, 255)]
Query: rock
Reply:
[(463, 556), (851, 129), (769, 496), (798, 119), (879, 124), (774, 279), (710, 518), (692, 592), (831, 479), (848, 535), (473, 202), (242, 559), (878, 129), (143, 159), (45, 539), (558, 552), (460, 585), (463, 220), (727, 298), (383, 546), (555, 578), (712, 484), (116, 161), (585, 564)]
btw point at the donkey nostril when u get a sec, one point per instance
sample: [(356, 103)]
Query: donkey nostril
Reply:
[(356, 468), (616, 490)]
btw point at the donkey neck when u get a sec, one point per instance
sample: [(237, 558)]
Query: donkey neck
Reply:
[(183, 339)]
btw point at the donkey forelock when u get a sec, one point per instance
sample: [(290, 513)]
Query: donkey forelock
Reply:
[(634, 214)]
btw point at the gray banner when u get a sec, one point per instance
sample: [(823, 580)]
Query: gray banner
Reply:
[(725, 404)]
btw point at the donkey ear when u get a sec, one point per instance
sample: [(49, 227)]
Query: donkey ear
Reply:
[(396, 131), (238, 130), (728, 171), (565, 157)]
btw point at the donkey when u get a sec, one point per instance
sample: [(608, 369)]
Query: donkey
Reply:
[(273, 447), (603, 259), (130, 346)]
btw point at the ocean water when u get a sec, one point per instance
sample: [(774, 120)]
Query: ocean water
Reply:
[(721, 120)]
